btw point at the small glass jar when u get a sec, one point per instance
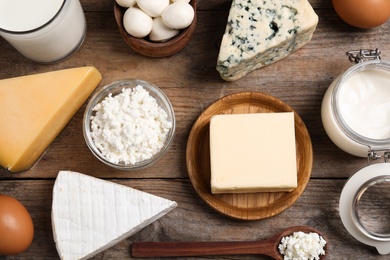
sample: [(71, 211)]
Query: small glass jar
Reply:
[(113, 89), (364, 206), (356, 108), (45, 31), (356, 116)]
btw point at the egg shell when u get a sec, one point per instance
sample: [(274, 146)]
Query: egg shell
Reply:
[(153, 8), (185, 1), (161, 32), (16, 226), (364, 14), (126, 3), (178, 15), (137, 23)]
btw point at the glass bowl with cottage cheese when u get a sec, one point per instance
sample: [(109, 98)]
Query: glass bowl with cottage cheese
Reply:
[(129, 124)]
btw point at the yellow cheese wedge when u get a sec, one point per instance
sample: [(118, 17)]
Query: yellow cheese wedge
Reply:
[(35, 108)]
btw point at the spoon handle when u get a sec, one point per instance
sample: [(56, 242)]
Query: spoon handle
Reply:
[(172, 249)]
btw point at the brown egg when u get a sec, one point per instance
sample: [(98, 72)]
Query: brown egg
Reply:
[(363, 13), (16, 226)]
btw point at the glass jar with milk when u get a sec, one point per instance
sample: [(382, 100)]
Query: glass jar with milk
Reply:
[(356, 116), (44, 31)]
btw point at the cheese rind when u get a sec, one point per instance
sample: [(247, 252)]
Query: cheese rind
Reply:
[(90, 215), (259, 33), (253, 153), (34, 109)]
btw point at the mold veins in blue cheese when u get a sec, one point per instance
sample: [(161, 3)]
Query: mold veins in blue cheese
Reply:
[(259, 33), (253, 153), (90, 215)]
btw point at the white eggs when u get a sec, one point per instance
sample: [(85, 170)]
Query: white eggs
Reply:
[(160, 19), (153, 8), (126, 3), (178, 15), (161, 32), (137, 23)]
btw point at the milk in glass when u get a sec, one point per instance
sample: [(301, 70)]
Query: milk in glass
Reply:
[(43, 30)]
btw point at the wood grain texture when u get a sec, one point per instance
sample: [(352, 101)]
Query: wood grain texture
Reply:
[(192, 220), (267, 247), (245, 206), (190, 80)]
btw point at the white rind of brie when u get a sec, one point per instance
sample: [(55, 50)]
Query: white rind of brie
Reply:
[(90, 215)]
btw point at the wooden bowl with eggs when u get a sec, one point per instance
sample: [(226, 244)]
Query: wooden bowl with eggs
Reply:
[(151, 48)]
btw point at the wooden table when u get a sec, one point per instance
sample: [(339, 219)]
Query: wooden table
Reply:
[(190, 80)]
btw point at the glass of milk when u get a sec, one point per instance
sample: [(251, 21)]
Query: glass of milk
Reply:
[(45, 31)]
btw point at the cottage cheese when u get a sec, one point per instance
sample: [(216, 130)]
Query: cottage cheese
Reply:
[(302, 246), (129, 127)]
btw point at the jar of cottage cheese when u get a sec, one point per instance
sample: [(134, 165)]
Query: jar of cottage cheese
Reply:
[(44, 31), (356, 116)]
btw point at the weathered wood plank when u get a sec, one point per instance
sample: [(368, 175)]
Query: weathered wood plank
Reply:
[(193, 220), (189, 78), (224, 5)]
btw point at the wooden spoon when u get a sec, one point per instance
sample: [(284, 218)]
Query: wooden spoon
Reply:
[(267, 247)]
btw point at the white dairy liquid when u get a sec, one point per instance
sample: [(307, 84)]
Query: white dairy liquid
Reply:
[(364, 103), (26, 15), (43, 31)]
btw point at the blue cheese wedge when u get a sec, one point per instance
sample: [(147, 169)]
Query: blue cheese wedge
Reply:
[(90, 215), (259, 33), (253, 153)]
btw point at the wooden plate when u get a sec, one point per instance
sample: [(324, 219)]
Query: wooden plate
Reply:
[(246, 206)]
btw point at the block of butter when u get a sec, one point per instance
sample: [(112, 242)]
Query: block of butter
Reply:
[(253, 153), (35, 108)]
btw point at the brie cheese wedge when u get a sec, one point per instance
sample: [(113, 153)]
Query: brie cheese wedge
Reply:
[(90, 215)]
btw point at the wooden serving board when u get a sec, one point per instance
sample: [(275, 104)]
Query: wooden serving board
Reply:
[(245, 206)]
